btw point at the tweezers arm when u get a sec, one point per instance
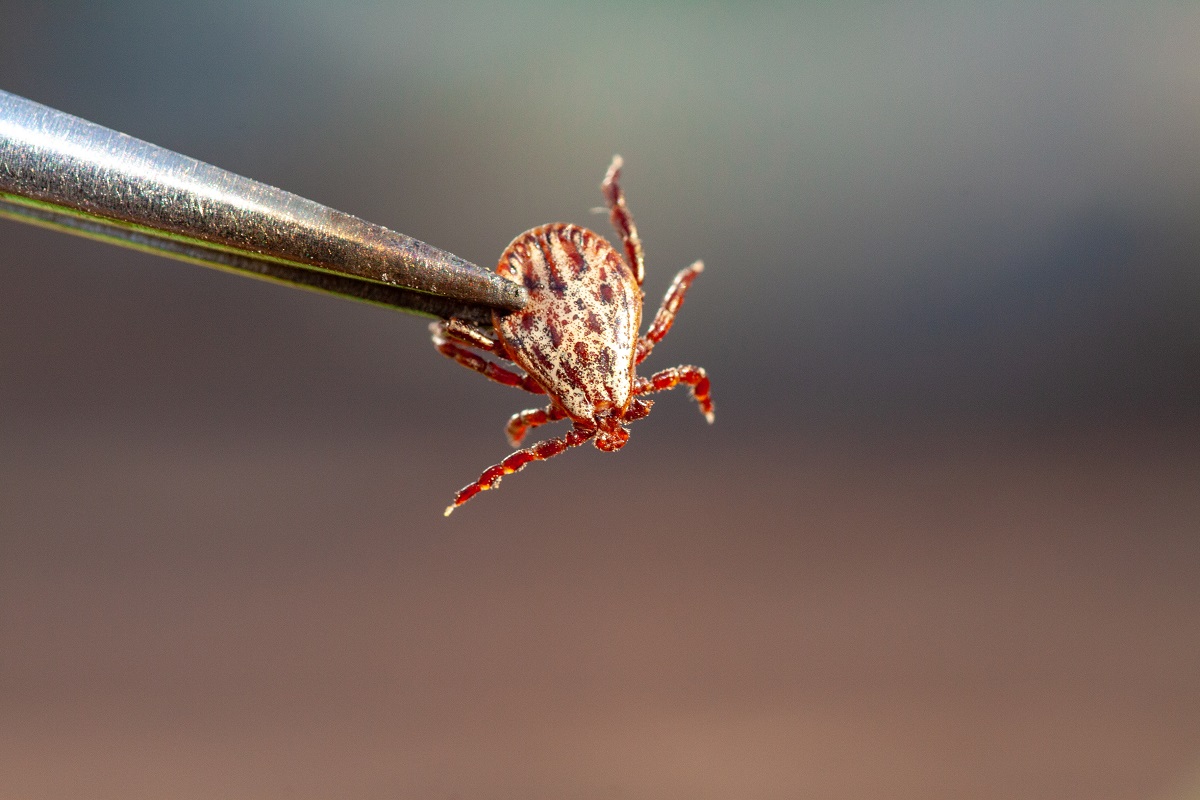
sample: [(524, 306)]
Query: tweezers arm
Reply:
[(64, 171)]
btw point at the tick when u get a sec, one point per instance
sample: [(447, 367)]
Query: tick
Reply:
[(576, 339)]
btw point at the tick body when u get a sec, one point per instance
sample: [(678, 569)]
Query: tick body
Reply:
[(576, 339)]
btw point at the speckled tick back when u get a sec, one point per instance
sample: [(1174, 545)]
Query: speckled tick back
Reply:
[(577, 337)]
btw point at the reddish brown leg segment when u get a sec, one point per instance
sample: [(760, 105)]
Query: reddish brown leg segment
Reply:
[(622, 219), (480, 364), (456, 330), (521, 422), (694, 377), (638, 409), (665, 317), (517, 461)]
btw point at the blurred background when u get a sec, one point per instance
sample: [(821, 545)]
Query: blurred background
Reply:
[(940, 543)]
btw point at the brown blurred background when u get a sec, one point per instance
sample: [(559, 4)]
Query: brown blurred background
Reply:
[(942, 541)]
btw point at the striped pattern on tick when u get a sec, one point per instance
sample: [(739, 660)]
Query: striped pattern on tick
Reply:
[(579, 330), (576, 340)]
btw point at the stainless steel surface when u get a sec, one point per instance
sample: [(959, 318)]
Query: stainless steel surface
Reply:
[(65, 172), (299, 277)]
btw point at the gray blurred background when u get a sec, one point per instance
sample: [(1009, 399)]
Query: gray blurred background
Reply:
[(942, 541)]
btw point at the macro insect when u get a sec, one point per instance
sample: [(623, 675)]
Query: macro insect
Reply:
[(576, 339)]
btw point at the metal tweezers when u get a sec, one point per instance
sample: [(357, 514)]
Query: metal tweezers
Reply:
[(66, 173)]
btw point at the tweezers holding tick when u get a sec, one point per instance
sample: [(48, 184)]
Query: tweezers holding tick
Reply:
[(65, 173)]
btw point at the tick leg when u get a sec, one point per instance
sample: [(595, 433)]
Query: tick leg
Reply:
[(638, 409), (521, 422), (665, 317), (443, 332), (622, 219), (694, 377), (464, 333), (517, 461)]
